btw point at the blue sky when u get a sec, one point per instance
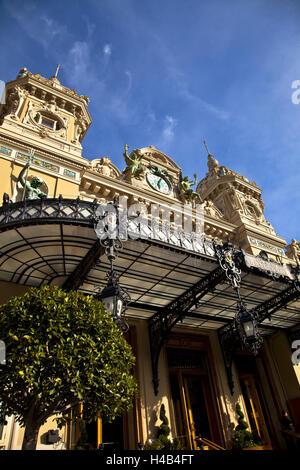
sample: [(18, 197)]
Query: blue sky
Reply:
[(170, 73)]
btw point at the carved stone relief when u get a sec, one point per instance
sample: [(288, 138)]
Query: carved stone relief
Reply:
[(293, 251), (34, 117), (211, 210), (14, 99), (105, 167)]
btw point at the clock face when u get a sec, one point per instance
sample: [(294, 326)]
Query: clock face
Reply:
[(159, 182)]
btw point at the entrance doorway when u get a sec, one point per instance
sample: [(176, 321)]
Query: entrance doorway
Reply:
[(256, 404), (192, 398), (112, 435)]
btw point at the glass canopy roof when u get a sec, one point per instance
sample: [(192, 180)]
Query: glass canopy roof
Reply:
[(46, 252)]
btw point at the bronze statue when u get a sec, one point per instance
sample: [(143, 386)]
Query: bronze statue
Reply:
[(133, 164), (186, 190), (31, 188)]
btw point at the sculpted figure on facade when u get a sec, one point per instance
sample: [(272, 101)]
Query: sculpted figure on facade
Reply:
[(293, 251), (81, 126), (23, 73), (133, 163), (105, 167), (85, 99), (211, 210), (31, 188), (14, 99), (185, 188)]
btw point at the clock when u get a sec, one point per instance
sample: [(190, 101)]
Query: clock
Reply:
[(158, 180)]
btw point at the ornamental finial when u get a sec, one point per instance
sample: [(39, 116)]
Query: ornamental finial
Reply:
[(206, 147), (212, 162), (57, 69)]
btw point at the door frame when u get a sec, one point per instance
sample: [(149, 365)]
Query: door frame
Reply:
[(256, 407), (262, 371), (194, 342)]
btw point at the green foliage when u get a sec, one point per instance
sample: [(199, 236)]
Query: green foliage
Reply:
[(243, 438), (163, 442), (63, 349)]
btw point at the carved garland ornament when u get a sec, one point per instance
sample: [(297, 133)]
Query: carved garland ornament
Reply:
[(37, 114)]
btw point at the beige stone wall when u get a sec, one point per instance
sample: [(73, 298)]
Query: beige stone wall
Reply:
[(15, 434), (281, 354), (150, 403), (67, 189), (57, 185)]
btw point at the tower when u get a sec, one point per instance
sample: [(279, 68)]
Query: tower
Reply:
[(240, 203), (50, 119)]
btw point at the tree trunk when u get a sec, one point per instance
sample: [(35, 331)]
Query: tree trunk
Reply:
[(30, 437), (32, 427)]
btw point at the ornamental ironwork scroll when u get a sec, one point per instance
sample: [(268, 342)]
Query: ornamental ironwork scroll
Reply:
[(230, 335), (230, 261)]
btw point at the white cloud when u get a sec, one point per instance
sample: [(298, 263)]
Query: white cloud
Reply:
[(78, 59), (129, 76), (52, 28), (178, 77), (107, 49), (168, 130), (41, 28)]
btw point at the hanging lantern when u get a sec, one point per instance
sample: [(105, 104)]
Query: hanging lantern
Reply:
[(246, 326), (115, 300), (113, 296)]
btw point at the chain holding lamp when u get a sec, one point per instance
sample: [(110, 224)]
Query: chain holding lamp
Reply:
[(114, 298), (245, 323)]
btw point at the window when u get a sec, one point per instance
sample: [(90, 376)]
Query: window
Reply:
[(48, 120)]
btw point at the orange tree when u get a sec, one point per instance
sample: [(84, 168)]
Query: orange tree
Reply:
[(62, 349)]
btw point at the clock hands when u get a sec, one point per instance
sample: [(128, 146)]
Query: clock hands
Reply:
[(158, 180)]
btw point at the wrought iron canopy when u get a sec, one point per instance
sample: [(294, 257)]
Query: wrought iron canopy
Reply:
[(52, 241)]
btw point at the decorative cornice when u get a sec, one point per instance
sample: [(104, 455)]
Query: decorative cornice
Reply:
[(19, 146)]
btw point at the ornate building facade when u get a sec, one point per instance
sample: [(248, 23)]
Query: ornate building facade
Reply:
[(189, 249)]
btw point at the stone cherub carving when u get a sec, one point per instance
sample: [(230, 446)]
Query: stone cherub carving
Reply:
[(31, 188), (133, 164), (186, 190)]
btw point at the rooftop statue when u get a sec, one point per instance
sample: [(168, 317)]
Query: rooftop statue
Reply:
[(23, 73), (186, 190), (133, 163), (31, 189)]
